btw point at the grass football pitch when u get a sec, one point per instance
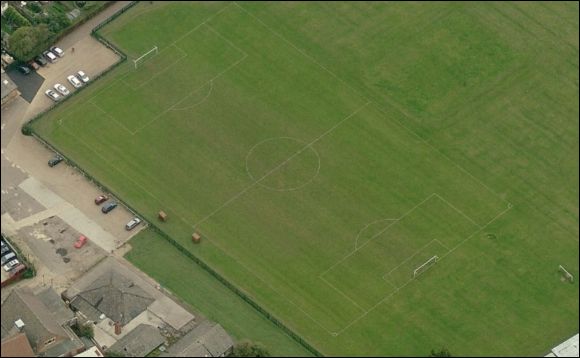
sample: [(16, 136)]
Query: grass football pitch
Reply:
[(326, 151)]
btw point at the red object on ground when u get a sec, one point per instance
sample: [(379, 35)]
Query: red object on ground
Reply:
[(101, 199), (81, 241)]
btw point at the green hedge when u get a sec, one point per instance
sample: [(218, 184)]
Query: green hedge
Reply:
[(178, 246)]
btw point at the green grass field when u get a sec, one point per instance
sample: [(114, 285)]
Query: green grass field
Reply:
[(175, 272), (325, 151)]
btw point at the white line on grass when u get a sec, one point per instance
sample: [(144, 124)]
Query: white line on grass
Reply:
[(110, 116), (159, 72), (250, 186), (376, 235), (510, 206), (343, 294), (187, 95), (201, 101), (459, 211), (366, 227)]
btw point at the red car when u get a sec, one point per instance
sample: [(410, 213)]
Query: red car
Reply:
[(81, 241), (101, 199)]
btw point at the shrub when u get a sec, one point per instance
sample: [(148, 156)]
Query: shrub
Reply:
[(443, 352), (26, 129), (250, 349), (15, 18), (34, 6)]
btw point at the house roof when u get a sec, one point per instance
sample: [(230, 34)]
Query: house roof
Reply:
[(208, 339), (39, 321), (16, 346), (118, 297), (139, 342)]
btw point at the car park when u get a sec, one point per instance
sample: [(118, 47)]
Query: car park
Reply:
[(52, 95), (24, 70), (82, 240), (108, 207), (7, 257), (101, 199), (61, 89), (83, 76), (132, 224), (57, 50), (50, 56), (74, 81), (54, 161), (10, 265), (41, 61)]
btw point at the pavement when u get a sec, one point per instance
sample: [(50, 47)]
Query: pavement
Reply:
[(43, 209)]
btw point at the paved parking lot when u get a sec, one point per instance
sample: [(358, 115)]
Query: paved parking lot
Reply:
[(28, 85), (44, 209)]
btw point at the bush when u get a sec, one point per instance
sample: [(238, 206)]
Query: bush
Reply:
[(34, 6), (444, 352), (250, 349), (26, 129), (15, 18), (57, 21), (80, 4), (84, 330), (27, 42)]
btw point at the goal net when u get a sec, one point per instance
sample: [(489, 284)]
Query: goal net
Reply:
[(147, 55), (425, 266)]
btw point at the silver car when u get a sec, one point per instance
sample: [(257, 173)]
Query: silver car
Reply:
[(52, 95), (61, 89), (74, 81)]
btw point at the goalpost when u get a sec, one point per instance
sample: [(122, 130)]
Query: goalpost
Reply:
[(425, 266), (153, 51)]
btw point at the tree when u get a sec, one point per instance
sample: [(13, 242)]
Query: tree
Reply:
[(27, 42), (250, 349), (15, 18), (443, 352)]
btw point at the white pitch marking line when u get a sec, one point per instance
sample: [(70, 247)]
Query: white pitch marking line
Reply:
[(250, 186), (343, 294), (459, 211), (378, 234), (201, 101), (366, 227)]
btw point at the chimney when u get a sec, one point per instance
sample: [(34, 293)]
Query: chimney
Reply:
[(117, 328), (19, 325)]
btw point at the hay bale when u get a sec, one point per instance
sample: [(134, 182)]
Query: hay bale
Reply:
[(162, 216), (196, 238)]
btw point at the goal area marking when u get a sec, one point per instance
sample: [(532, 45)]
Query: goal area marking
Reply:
[(136, 61)]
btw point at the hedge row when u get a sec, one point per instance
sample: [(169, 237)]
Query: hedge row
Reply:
[(187, 253)]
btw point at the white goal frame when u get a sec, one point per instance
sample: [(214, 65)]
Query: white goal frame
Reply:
[(567, 274), (425, 266), (154, 49)]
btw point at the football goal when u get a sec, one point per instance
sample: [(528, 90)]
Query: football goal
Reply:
[(425, 266), (154, 51)]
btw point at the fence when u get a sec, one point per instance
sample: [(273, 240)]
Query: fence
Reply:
[(154, 227)]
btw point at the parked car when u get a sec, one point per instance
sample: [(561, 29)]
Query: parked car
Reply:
[(83, 76), (2, 243), (52, 95), (74, 81), (50, 56), (101, 199), (54, 161), (82, 240), (41, 61), (132, 224), (7, 257), (10, 265), (5, 249), (108, 207), (61, 89), (32, 64), (56, 50), (24, 70)]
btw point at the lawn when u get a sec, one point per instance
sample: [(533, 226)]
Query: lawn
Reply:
[(326, 151), (175, 272)]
